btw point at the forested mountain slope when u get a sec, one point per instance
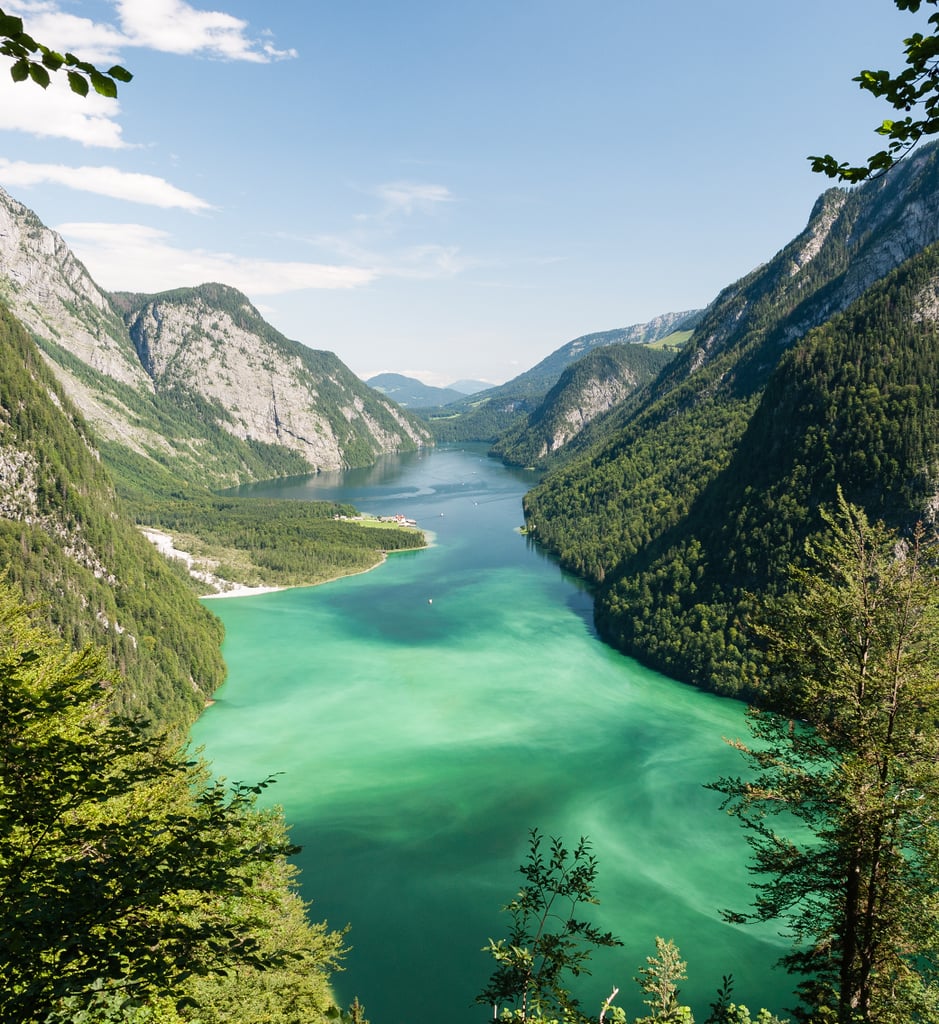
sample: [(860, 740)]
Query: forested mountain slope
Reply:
[(195, 379), (594, 384), (856, 406), (68, 546), (667, 461), (487, 415)]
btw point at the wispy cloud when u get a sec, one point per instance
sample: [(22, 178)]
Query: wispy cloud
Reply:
[(136, 257), (404, 198), (104, 181), (411, 196), (376, 240), (427, 261)]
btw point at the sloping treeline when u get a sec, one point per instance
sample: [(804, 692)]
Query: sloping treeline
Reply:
[(132, 884), (685, 524), (70, 548)]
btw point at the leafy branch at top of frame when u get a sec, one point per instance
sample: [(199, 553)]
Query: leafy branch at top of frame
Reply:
[(34, 61), (915, 88)]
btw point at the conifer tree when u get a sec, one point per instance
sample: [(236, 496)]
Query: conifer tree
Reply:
[(841, 806)]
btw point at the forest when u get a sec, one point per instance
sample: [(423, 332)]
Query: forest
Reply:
[(852, 405)]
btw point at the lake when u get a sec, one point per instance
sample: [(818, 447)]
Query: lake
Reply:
[(427, 714)]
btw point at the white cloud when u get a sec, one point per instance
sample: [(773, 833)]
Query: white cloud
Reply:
[(170, 26), (90, 40), (136, 257), (57, 112), (104, 181), (173, 26), (410, 196)]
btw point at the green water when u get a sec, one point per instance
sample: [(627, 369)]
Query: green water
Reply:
[(427, 714)]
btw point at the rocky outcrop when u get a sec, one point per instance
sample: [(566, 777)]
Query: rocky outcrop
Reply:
[(853, 238), (273, 390), (167, 375), (52, 294), (582, 406), (590, 387)]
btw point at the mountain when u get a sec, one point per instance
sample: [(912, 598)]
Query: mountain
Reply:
[(71, 548), (118, 410), (698, 490), (488, 414), (469, 387), (192, 379), (413, 393), (594, 384)]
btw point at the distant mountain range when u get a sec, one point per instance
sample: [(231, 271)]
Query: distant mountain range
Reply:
[(470, 387), (415, 394)]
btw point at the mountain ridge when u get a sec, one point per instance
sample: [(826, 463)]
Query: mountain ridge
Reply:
[(617, 507), (275, 397), (487, 415)]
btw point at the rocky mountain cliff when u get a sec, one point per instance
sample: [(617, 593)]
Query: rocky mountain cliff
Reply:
[(193, 379), (272, 390)]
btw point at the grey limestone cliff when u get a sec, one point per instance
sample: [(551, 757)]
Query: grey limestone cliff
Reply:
[(212, 340), (168, 375)]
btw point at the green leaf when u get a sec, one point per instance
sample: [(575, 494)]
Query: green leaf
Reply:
[(39, 75), (27, 42), (10, 26), (20, 70), (51, 59), (103, 85), (77, 83), (121, 74)]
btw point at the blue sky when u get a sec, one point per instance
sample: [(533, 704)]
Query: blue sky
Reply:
[(444, 188)]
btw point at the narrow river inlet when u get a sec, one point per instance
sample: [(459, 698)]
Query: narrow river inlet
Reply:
[(427, 714)]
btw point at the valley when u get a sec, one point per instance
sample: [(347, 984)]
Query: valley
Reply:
[(427, 714), (648, 492)]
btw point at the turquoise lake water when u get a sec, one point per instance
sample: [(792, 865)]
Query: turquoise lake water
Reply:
[(427, 714)]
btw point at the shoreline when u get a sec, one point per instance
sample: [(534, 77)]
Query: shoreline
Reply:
[(227, 589)]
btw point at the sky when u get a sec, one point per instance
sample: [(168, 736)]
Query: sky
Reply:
[(448, 189)]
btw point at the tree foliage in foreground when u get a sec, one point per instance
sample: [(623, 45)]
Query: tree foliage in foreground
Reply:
[(915, 88), (34, 61), (125, 871), (842, 802), (548, 945)]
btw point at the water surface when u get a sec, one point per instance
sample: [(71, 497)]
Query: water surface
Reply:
[(427, 714)]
